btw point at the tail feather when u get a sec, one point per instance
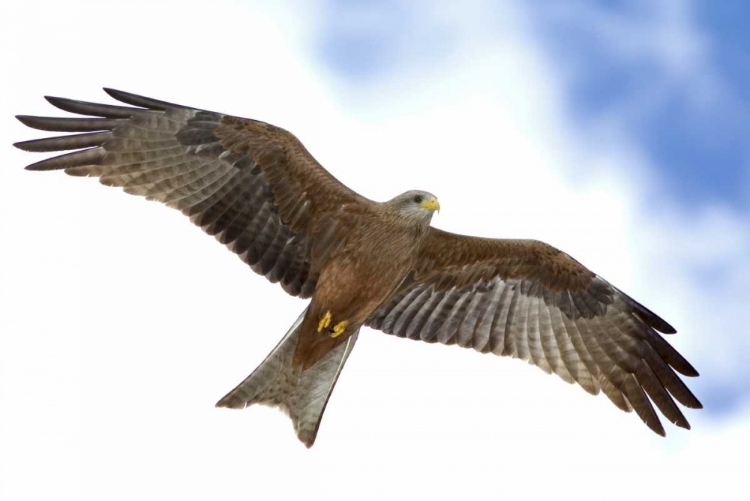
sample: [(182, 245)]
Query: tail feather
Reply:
[(302, 395)]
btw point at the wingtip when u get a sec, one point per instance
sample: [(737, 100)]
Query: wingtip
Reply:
[(647, 316), (22, 119), (121, 95), (138, 100), (686, 369), (40, 166), (27, 145), (27, 120), (655, 321), (667, 328), (662, 326), (57, 102), (111, 92), (685, 425)]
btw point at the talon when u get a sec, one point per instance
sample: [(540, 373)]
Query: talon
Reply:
[(325, 321), (339, 328)]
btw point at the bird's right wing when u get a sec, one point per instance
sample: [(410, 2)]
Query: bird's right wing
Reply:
[(252, 185)]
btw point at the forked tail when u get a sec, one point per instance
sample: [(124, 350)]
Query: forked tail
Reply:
[(302, 395)]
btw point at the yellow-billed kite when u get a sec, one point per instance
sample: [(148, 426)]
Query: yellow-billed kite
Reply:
[(256, 189)]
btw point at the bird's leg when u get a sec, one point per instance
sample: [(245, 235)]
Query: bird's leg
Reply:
[(325, 323)]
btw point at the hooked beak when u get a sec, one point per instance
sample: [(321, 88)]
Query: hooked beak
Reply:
[(431, 204)]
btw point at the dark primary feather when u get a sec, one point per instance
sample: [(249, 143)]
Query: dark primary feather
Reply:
[(70, 124), (250, 184), (526, 299)]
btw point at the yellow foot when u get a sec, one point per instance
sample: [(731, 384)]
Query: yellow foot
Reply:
[(339, 328), (325, 321)]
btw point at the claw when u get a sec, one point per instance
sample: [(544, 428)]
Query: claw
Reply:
[(339, 328), (325, 321)]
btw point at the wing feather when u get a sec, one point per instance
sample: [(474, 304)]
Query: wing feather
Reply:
[(467, 332), (490, 313), (527, 300), (250, 184), (70, 124), (580, 360)]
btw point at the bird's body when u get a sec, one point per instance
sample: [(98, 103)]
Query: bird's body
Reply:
[(259, 191), (356, 280)]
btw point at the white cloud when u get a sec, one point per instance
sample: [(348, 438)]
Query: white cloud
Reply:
[(121, 323), (701, 251)]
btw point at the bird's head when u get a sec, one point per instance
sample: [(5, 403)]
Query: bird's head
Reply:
[(416, 205)]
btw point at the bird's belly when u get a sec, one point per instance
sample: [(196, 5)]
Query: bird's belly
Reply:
[(356, 285), (345, 296)]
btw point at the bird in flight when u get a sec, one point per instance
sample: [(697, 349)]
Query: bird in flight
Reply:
[(257, 189)]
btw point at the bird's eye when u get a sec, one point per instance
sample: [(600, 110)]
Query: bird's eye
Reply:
[(418, 199)]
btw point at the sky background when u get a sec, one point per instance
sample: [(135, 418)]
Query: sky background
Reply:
[(613, 130)]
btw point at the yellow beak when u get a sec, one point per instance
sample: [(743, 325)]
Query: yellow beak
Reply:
[(431, 204)]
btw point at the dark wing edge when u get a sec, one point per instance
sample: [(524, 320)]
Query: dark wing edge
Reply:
[(526, 299), (250, 184)]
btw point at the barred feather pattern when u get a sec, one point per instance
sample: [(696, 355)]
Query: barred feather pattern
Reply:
[(595, 337), (251, 185)]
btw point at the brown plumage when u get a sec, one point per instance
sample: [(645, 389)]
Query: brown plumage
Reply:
[(258, 191), (355, 280)]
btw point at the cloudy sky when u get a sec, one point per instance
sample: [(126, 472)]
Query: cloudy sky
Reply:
[(610, 129)]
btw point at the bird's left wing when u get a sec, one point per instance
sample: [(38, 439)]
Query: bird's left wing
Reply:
[(526, 299)]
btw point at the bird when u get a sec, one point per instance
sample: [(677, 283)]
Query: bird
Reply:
[(361, 263)]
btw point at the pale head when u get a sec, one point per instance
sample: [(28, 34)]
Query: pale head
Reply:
[(416, 205)]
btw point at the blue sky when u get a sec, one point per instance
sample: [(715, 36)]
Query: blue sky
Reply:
[(690, 97), (676, 71)]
